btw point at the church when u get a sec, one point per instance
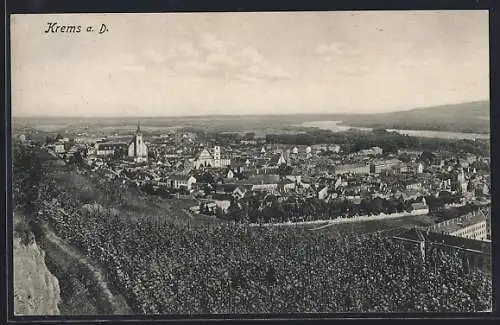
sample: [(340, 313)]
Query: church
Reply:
[(211, 159), (137, 149)]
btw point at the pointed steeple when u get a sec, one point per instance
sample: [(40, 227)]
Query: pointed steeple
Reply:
[(138, 127)]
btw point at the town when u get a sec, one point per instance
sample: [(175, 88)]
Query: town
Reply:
[(252, 180)]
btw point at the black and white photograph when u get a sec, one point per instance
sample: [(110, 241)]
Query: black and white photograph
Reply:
[(251, 163)]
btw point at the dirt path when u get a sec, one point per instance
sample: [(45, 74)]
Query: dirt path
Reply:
[(113, 304)]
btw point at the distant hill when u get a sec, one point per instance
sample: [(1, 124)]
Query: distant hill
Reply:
[(471, 117)]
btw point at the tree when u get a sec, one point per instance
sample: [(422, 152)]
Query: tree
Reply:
[(284, 170), (219, 212), (249, 136), (427, 157), (404, 158), (76, 158), (204, 209), (27, 178), (380, 131), (148, 188)]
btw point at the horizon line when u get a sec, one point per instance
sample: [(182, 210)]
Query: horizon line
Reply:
[(249, 114)]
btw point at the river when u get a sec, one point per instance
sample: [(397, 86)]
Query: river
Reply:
[(336, 126)]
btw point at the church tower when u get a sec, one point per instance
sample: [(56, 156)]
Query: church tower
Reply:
[(137, 148)]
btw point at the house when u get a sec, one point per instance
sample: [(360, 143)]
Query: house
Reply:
[(486, 189), (223, 201), (335, 148), (59, 148), (352, 169), (373, 151), (338, 182), (239, 192), (210, 206), (294, 178), (414, 186), (419, 208), (269, 187), (262, 179), (326, 147), (286, 186), (410, 152), (104, 149), (380, 166), (305, 185), (225, 188), (323, 193), (179, 181)]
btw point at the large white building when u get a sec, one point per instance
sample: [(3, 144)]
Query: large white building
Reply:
[(137, 149), (179, 181), (103, 149), (211, 159), (473, 225)]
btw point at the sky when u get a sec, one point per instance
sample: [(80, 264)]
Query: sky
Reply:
[(180, 64)]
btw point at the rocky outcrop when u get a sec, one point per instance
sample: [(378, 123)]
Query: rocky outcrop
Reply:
[(36, 290)]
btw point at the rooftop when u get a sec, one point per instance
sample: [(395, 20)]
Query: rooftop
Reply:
[(452, 225), (446, 240)]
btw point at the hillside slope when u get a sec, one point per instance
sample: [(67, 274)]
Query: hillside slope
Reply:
[(464, 117)]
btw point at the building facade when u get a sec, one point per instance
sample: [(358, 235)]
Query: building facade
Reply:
[(211, 159), (352, 169), (472, 226), (105, 149)]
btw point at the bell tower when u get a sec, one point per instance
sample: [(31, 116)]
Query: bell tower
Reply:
[(137, 148)]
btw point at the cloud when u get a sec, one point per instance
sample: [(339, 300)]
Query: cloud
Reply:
[(352, 62), (134, 68), (211, 44), (222, 60), (154, 56), (182, 50), (213, 58), (251, 55), (209, 58), (187, 50), (409, 63), (267, 71), (355, 70), (121, 63), (336, 49)]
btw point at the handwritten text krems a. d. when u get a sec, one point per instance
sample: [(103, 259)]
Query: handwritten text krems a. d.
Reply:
[(53, 27)]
